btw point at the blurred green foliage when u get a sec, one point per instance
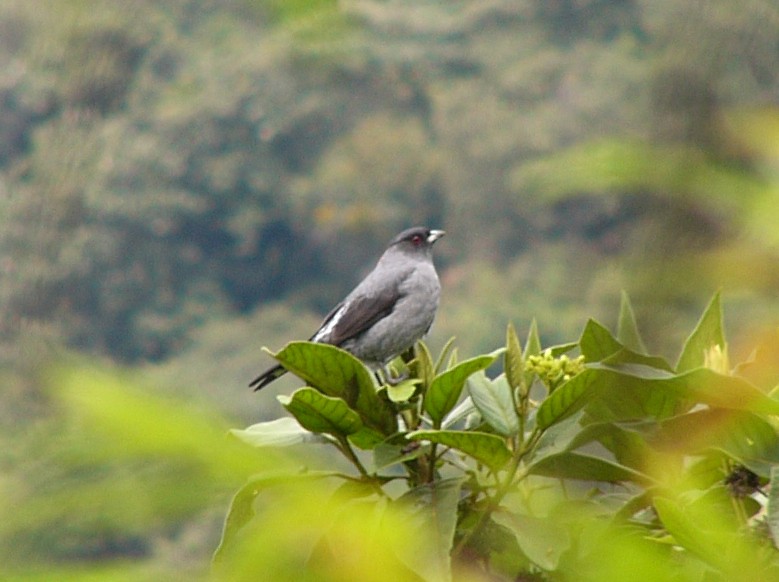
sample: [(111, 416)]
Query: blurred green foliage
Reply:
[(183, 182), (606, 465)]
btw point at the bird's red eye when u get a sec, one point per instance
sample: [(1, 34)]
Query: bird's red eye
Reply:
[(417, 240)]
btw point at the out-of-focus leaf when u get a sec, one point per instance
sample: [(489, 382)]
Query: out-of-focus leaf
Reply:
[(319, 413), (446, 388), (627, 329), (433, 507), (773, 506), (742, 435), (494, 401), (513, 362), (281, 432), (707, 333), (241, 510), (571, 465), (542, 540), (485, 448), (337, 373)]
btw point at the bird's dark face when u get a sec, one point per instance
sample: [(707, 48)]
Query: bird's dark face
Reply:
[(417, 238)]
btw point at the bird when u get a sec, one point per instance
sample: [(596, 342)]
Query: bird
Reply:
[(388, 311)]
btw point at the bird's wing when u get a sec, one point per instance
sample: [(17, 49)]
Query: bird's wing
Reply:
[(351, 318)]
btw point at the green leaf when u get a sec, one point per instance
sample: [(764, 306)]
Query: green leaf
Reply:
[(281, 432), (513, 362), (688, 532), (741, 435), (459, 412), (773, 506), (532, 348), (319, 413), (633, 391), (572, 465), (568, 399), (336, 372), (404, 390), (707, 333), (485, 448), (446, 388), (626, 356), (627, 330), (597, 343), (241, 510), (387, 454), (494, 401), (542, 540), (433, 507), (422, 366), (449, 345)]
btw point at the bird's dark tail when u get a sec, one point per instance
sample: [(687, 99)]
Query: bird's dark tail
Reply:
[(267, 377)]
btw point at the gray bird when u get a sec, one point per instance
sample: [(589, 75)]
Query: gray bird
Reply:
[(389, 310)]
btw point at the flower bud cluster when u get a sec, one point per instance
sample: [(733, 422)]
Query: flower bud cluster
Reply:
[(554, 371)]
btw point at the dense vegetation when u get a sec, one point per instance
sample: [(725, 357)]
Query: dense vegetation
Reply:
[(182, 182)]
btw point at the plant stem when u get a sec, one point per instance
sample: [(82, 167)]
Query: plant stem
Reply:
[(502, 491)]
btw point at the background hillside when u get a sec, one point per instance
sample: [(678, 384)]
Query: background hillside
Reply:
[(183, 182)]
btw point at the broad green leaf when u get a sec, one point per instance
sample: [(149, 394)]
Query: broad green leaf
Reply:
[(741, 435), (433, 507), (708, 387), (319, 413), (543, 541), (281, 432), (707, 333), (597, 343), (513, 362), (487, 449), (532, 348), (568, 399), (494, 401), (634, 391), (366, 438), (572, 465), (402, 391), (626, 441), (627, 330), (445, 390), (336, 372)]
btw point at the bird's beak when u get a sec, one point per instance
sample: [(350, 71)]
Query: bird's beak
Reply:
[(435, 235)]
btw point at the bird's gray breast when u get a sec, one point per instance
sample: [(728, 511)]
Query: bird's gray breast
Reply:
[(410, 319)]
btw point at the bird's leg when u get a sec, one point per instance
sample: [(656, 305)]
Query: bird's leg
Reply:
[(389, 378)]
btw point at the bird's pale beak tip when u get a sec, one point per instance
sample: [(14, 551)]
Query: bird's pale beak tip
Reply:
[(435, 235)]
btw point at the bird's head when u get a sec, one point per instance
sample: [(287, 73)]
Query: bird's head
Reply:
[(416, 239)]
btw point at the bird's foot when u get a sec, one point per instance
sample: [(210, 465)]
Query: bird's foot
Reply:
[(390, 379)]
